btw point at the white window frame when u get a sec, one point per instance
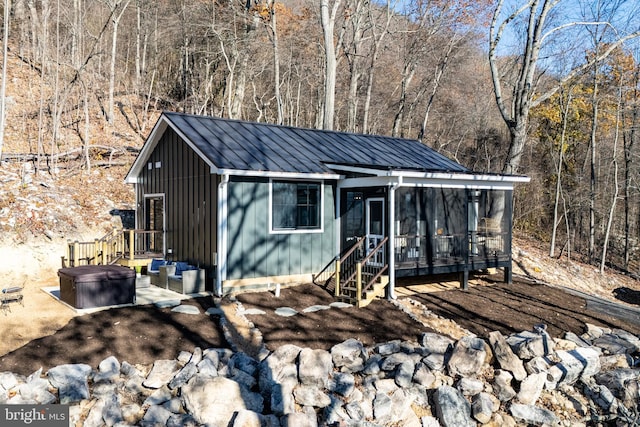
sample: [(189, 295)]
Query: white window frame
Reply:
[(320, 229)]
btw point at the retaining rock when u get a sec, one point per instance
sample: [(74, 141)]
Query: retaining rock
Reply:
[(395, 383)]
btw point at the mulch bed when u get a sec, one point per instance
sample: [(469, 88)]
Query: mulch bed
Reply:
[(379, 322), (143, 334), (517, 307), (138, 335)]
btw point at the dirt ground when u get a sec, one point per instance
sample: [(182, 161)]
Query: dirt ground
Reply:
[(137, 334), (517, 307), (379, 322), (485, 307), (45, 332), (142, 334), (40, 315)]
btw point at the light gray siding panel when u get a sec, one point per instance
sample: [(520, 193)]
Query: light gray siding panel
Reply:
[(254, 252), (252, 234)]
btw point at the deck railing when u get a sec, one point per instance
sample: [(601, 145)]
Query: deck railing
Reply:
[(329, 276), (371, 268), (448, 248), (357, 274), (112, 247)]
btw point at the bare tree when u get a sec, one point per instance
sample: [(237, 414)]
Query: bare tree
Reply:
[(117, 8), (565, 105), (353, 51), (378, 35), (3, 84), (616, 188), (536, 16), (629, 137), (328, 15), (273, 33)]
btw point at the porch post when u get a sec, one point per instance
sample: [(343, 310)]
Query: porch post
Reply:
[(392, 238), (221, 234), (338, 223), (508, 271), (132, 245)]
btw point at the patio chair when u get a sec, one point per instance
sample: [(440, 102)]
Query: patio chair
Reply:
[(186, 279), (153, 271), (10, 295)]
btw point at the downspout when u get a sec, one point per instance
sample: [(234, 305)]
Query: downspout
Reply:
[(221, 256), (392, 238)]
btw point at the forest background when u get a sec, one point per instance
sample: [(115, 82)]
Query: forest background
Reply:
[(547, 89)]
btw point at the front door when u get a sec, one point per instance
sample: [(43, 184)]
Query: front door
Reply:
[(375, 228)]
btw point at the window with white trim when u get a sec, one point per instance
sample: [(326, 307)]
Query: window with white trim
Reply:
[(295, 205)]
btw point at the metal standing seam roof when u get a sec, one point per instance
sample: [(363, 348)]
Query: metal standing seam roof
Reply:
[(246, 146)]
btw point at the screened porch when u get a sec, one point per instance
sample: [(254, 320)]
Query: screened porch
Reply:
[(443, 230)]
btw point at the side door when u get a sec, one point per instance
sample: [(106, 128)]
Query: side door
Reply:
[(154, 222)]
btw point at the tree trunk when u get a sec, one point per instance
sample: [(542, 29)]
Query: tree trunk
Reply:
[(355, 64), (616, 190), (565, 114), (138, 76), (276, 61), (592, 168), (375, 49), (3, 83), (629, 142), (327, 20), (407, 76), (434, 87), (115, 19), (87, 127), (240, 85)]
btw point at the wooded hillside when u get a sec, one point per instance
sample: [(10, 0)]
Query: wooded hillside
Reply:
[(86, 80)]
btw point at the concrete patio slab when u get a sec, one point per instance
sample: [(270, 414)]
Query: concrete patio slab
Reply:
[(146, 295)]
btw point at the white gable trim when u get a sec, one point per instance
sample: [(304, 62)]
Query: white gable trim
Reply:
[(154, 137)]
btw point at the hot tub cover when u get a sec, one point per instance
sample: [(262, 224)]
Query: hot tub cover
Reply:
[(89, 286), (91, 273)]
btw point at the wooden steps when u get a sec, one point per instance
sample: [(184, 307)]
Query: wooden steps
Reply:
[(349, 293)]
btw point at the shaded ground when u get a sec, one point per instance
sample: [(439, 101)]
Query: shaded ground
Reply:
[(630, 296), (480, 309), (379, 322), (518, 307), (142, 334), (138, 335)]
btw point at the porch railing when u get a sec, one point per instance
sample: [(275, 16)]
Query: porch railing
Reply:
[(112, 247), (356, 275), (357, 271), (328, 277), (370, 270), (445, 248)]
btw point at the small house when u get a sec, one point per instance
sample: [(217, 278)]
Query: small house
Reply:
[(258, 205)]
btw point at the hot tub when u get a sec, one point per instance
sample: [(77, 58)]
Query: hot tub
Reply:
[(89, 286)]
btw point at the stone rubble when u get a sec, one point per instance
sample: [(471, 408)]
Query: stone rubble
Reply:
[(525, 378)]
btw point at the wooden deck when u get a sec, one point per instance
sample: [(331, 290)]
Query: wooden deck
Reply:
[(129, 248), (139, 260)]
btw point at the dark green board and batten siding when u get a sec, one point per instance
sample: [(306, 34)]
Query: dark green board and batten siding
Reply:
[(189, 191), (254, 252)]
